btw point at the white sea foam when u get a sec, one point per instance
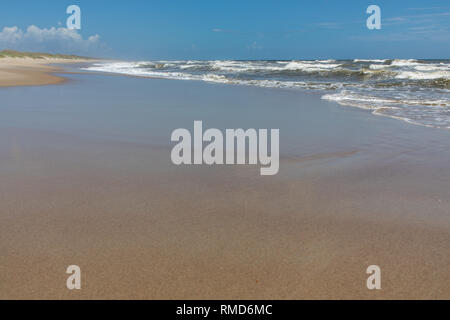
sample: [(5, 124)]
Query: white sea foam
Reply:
[(404, 63), (370, 60), (378, 66), (309, 66), (414, 75), (433, 67), (347, 97), (423, 110)]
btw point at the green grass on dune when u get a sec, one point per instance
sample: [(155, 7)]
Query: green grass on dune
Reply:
[(37, 55)]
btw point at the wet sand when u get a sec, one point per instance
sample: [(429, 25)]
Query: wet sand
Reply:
[(92, 193)]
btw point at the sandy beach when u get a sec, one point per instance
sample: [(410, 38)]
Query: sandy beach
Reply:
[(86, 179), (31, 72)]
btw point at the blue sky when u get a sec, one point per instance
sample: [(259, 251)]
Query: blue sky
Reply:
[(215, 29)]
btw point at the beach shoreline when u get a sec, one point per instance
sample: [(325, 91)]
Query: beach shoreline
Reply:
[(87, 180), (16, 72)]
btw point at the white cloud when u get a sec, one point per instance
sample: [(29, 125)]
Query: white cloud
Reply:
[(52, 40)]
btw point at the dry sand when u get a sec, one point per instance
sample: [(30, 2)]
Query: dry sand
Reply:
[(30, 72)]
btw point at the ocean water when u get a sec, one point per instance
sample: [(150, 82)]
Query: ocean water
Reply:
[(416, 91)]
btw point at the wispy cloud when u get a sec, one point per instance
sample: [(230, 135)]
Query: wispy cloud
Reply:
[(431, 33), (416, 18), (336, 24), (428, 8), (396, 19), (220, 30), (329, 25)]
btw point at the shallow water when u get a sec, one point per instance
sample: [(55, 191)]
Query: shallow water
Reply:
[(148, 110)]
